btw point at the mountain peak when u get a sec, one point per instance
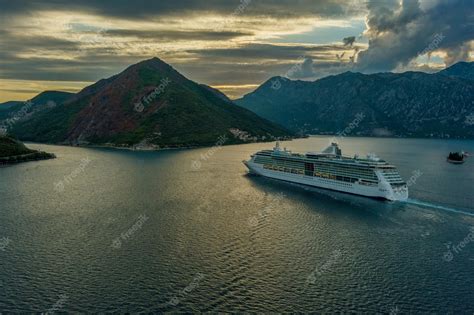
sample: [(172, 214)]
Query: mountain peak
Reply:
[(154, 63), (462, 69), (147, 103), (391, 102)]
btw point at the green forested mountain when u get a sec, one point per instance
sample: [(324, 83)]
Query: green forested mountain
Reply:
[(411, 104), (149, 102)]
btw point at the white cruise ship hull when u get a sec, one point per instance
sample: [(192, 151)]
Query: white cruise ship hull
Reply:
[(383, 190)]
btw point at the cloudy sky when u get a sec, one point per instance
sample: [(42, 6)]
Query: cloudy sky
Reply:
[(233, 45)]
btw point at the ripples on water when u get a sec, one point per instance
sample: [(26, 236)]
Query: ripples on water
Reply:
[(215, 239)]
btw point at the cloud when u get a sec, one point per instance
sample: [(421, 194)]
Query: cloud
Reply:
[(173, 35), (399, 31), (349, 41), (271, 51), (86, 40), (151, 8), (303, 70)]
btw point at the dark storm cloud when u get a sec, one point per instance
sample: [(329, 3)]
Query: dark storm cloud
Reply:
[(208, 64), (232, 73), (399, 32), (147, 8), (170, 35), (349, 41), (267, 51)]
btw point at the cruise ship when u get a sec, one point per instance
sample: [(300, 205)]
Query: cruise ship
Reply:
[(329, 169)]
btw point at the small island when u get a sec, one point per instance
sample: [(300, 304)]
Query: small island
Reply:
[(13, 151)]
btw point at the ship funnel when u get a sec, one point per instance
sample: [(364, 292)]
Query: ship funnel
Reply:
[(277, 146), (333, 149)]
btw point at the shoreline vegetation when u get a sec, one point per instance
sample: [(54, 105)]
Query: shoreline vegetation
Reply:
[(153, 147), (13, 151)]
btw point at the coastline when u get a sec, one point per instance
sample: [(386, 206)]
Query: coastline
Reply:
[(157, 148), (151, 148), (30, 157)]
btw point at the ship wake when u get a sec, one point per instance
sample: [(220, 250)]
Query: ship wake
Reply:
[(438, 207)]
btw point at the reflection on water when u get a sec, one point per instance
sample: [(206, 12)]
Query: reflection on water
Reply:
[(151, 232)]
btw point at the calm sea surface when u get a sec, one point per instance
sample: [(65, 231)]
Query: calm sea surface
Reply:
[(102, 230)]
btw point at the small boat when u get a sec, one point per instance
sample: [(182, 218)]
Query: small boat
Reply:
[(456, 157)]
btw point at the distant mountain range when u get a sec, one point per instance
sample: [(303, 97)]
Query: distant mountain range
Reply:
[(13, 111), (148, 104), (411, 104)]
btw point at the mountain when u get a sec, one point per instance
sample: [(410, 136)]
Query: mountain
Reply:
[(411, 104), (57, 97), (149, 103), (463, 70), (9, 104), (217, 93), (14, 111)]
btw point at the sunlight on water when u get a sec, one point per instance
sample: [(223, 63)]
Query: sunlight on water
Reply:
[(101, 230)]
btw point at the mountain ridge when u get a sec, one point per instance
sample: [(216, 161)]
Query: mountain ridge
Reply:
[(410, 104), (148, 103)]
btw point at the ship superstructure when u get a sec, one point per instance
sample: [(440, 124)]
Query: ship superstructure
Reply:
[(329, 169)]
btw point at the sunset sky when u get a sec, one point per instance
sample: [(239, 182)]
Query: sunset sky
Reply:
[(233, 45)]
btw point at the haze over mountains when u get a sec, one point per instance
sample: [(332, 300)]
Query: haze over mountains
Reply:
[(411, 104), (150, 104)]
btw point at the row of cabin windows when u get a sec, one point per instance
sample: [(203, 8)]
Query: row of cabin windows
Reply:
[(328, 164), (283, 169), (309, 173), (331, 172), (322, 164), (336, 170)]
